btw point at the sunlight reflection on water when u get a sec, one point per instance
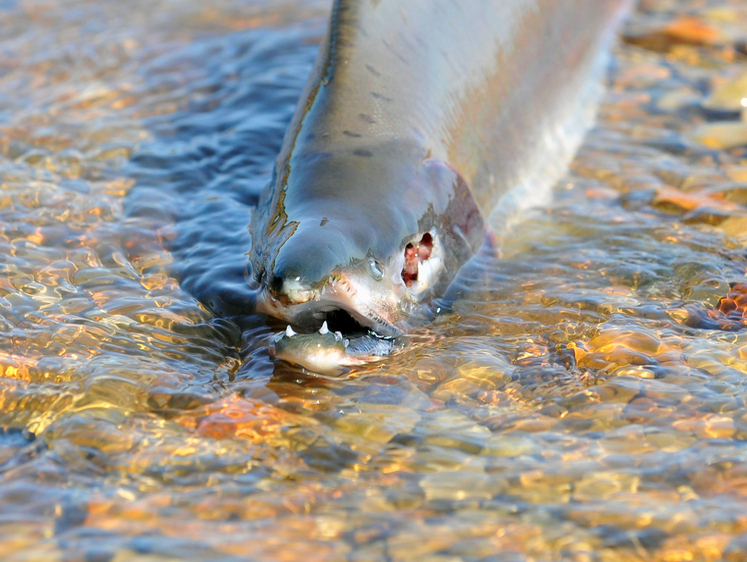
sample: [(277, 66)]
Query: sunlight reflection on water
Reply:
[(583, 400)]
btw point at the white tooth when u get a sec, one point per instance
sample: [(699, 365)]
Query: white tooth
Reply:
[(289, 332), (324, 329), (338, 336), (346, 342)]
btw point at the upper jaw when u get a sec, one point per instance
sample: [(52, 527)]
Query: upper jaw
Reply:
[(309, 308)]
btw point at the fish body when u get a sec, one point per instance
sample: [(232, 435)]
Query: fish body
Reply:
[(419, 119)]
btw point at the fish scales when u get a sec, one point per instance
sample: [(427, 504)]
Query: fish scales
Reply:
[(419, 118)]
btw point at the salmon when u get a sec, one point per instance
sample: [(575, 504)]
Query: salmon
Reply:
[(420, 119)]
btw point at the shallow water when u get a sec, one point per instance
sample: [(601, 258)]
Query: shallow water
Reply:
[(582, 401)]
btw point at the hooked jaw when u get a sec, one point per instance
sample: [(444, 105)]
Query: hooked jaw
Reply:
[(326, 352), (342, 301)]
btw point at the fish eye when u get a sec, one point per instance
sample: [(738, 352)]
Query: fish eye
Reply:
[(375, 268)]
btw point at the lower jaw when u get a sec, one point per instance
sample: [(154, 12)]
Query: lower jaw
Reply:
[(329, 353)]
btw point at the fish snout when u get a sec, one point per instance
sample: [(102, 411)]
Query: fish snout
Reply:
[(299, 272), (289, 289)]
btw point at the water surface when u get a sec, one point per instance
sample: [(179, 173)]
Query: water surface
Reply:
[(582, 401)]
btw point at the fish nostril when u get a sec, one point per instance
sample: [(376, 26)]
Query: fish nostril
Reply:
[(274, 283)]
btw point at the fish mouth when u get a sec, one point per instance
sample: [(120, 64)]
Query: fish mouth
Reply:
[(327, 330)]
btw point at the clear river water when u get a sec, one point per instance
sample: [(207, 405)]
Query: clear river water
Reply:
[(585, 399)]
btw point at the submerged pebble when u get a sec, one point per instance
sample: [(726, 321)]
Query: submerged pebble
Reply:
[(730, 95), (720, 135)]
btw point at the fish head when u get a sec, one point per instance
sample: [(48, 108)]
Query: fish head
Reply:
[(361, 238)]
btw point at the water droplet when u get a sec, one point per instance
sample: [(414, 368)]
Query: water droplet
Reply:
[(375, 268)]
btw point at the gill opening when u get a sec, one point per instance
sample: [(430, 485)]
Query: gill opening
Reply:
[(415, 254)]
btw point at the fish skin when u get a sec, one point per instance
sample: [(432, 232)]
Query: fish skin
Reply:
[(419, 115)]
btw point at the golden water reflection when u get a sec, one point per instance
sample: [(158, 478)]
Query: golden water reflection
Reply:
[(585, 400)]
